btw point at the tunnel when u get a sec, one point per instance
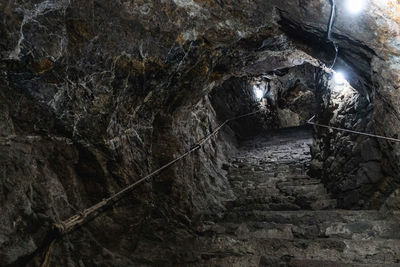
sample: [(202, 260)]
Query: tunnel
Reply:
[(199, 133)]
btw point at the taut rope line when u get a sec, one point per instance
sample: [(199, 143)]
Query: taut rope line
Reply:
[(351, 131), (72, 223), (82, 217)]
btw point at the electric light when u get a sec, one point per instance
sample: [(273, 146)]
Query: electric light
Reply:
[(258, 92), (339, 78), (355, 6)]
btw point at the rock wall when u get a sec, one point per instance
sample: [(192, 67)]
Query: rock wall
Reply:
[(368, 54), (296, 99), (47, 178), (236, 97), (95, 94), (289, 99), (351, 165)]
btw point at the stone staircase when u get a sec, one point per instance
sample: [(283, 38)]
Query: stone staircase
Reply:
[(283, 217)]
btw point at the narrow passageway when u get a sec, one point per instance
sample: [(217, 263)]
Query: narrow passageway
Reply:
[(270, 173), (157, 133), (283, 217)]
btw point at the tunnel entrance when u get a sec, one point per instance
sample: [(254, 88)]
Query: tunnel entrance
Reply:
[(287, 98), (348, 164), (294, 183), (98, 98)]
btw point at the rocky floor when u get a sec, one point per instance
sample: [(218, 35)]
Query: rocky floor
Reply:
[(283, 217)]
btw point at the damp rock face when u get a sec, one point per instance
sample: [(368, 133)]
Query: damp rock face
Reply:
[(96, 94), (351, 165)]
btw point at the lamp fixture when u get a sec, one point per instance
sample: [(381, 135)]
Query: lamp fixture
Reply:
[(258, 92), (339, 78), (355, 6)]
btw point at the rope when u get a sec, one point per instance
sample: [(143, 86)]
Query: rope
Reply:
[(84, 216), (330, 25), (46, 261), (351, 131)]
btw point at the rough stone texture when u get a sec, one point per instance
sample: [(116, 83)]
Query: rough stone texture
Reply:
[(350, 164), (95, 94), (289, 99), (296, 100), (280, 216), (236, 96), (373, 71)]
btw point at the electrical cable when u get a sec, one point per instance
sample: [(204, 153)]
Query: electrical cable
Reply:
[(330, 26)]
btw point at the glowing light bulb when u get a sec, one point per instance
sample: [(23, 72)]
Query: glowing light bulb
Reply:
[(355, 6), (339, 78), (258, 92)]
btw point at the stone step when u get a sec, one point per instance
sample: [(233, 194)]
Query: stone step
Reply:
[(360, 230), (268, 166), (305, 217), (269, 147), (267, 169), (323, 204), (240, 211), (268, 261), (286, 206), (377, 251), (254, 200), (275, 143), (306, 191), (271, 177), (245, 200), (256, 192), (265, 150), (252, 175), (271, 160), (316, 263), (283, 217), (298, 182), (276, 202)]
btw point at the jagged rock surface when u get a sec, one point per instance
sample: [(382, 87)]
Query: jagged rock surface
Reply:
[(95, 94), (282, 217)]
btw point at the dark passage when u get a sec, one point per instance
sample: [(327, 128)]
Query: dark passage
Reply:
[(280, 216), (97, 96)]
